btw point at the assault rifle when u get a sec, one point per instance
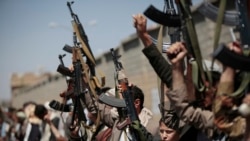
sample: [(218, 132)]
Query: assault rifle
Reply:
[(125, 105), (173, 31), (85, 80), (80, 87), (239, 61), (127, 96), (66, 72), (230, 18), (86, 51), (62, 69), (127, 112), (80, 33), (224, 55)]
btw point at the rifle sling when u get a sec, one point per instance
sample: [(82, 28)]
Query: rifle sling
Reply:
[(195, 77), (218, 25), (194, 42), (159, 82), (243, 85)]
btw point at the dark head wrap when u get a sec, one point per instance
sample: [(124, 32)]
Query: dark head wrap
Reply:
[(170, 119)]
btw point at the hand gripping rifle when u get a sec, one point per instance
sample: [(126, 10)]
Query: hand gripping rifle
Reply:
[(131, 114), (199, 74), (171, 20), (109, 100), (80, 88), (63, 107), (128, 115), (85, 78)]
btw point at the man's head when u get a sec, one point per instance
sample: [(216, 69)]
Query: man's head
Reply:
[(136, 93), (40, 111), (29, 108), (138, 97), (169, 126)]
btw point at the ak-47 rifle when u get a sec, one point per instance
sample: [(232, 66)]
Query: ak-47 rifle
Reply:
[(232, 59), (63, 107), (128, 116), (131, 114), (131, 119), (114, 101), (230, 18), (237, 61), (85, 80), (86, 50)]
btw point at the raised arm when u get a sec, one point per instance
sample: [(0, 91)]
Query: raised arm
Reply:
[(154, 56)]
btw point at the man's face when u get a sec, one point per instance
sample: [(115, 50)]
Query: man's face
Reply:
[(168, 134)]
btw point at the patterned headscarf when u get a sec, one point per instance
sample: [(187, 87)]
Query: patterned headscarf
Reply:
[(170, 119)]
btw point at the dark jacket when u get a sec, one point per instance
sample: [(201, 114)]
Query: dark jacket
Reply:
[(160, 65)]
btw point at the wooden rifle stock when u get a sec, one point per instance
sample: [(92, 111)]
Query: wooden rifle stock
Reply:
[(87, 52)]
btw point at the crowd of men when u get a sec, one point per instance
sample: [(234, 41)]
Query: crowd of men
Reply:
[(117, 113)]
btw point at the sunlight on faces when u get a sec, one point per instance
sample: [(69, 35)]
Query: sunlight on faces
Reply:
[(168, 134)]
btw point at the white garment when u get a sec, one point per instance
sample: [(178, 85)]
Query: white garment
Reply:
[(47, 132), (144, 116), (27, 132), (125, 136), (4, 128)]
